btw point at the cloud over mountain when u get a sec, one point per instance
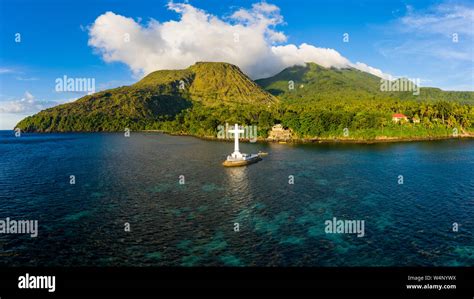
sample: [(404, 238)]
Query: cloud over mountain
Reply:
[(247, 38)]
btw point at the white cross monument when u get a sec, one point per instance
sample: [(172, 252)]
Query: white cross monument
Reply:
[(236, 131)]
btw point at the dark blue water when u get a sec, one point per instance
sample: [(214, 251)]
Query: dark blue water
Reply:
[(136, 180)]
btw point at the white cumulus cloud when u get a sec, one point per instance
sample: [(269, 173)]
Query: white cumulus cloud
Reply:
[(27, 104), (247, 38), (14, 110)]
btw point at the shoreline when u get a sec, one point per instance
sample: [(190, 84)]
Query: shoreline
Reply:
[(381, 139), (323, 140)]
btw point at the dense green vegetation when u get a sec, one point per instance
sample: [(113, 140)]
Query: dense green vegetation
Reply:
[(367, 119), (155, 102), (322, 104), (314, 82)]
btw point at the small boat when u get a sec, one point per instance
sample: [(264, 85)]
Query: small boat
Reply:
[(282, 142), (260, 153)]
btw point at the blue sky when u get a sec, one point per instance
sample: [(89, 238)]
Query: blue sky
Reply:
[(399, 38)]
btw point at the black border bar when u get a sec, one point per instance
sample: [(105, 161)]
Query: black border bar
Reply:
[(237, 282)]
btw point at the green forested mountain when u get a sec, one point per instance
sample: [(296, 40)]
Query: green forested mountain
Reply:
[(322, 102), (212, 83), (313, 101), (314, 82), (160, 97)]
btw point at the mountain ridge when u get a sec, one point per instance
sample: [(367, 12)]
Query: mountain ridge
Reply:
[(158, 96), (320, 81), (312, 101)]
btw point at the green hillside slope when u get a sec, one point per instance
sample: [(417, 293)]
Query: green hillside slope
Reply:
[(158, 97), (313, 82), (313, 101)]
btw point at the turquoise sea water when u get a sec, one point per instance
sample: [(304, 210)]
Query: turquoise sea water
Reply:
[(136, 180)]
